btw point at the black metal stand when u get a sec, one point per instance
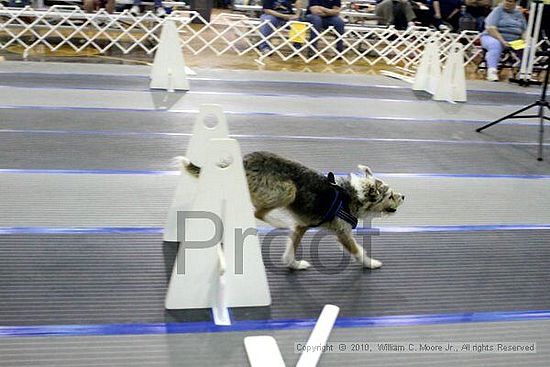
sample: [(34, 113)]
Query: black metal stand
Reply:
[(541, 103)]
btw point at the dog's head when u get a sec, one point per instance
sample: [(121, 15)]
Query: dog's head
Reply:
[(374, 196)]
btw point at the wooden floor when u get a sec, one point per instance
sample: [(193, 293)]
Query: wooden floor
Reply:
[(228, 62)]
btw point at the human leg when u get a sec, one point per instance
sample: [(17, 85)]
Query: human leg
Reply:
[(110, 6), (317, 23), (494, 50), (338, 25), (492, 56), (159, 9), (18, 4), (267, 28), (135, 7), (89, 6)]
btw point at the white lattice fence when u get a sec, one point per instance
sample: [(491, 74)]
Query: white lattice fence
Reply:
[(69, 26)]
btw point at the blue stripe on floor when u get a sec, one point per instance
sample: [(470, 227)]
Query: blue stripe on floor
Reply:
[(80, 230), (265, 230), (267, 325), (266, 137), (88, 172)]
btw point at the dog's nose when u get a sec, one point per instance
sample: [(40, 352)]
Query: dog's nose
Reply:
[(402, 197)]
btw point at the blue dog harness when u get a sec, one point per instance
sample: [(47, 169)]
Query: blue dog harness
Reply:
[(339, 206)]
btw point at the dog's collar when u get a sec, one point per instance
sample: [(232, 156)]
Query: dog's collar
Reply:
[(339, 206)]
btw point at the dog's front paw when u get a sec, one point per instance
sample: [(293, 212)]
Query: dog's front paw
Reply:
[(292, 263), (299, 265), (371, 263)]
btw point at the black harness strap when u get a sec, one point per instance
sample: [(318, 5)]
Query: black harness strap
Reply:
[(339, 206)]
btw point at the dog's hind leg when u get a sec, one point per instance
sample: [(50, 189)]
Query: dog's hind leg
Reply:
[(289, 257), (268, 193), (346, 239)]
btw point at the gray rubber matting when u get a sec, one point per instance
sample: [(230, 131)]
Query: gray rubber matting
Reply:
[(109, 278), (237, 103), (89, 279), (227, 349), (91, 151), (153, 122), (297, 89), (114, 200), (65, 69)]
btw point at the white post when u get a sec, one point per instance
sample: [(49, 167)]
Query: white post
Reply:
[(168, 71), (428, 72), (197, 153)]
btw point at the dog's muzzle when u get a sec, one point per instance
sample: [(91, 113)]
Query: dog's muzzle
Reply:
[(399, 202)]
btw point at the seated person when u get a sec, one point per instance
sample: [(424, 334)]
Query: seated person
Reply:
[(422, 10), (276, 13), (91, 5), (159, 9), (446, 11), (398, 13), (478, 10), (323, 14), (504, 24)]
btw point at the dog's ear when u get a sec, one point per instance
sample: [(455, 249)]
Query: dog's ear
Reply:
[(373, 194), (381, 186), (376, 190), (365, 169)]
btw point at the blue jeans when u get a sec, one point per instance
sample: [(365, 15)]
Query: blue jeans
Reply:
[(494, 50), (158, 3), (266, 29), (322, 23), (21, 3)]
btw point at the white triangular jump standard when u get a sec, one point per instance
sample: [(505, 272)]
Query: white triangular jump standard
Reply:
[(428, 72), (197, 153), (452, 85), (219, 262), (168, 71)]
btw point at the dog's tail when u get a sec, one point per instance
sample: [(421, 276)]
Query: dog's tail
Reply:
[(185, 165)]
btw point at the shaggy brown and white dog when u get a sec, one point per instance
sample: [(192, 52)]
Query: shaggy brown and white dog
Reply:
[(313, 200)]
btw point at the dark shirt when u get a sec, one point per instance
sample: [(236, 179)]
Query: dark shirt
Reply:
[(281, 6), (447, 6), (329, 4)]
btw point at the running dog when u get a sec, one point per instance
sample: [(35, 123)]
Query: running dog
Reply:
[(313, 200)]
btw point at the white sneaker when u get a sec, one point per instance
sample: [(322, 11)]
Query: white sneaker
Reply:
[(492, 75), (160, 12), (135, 10)]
